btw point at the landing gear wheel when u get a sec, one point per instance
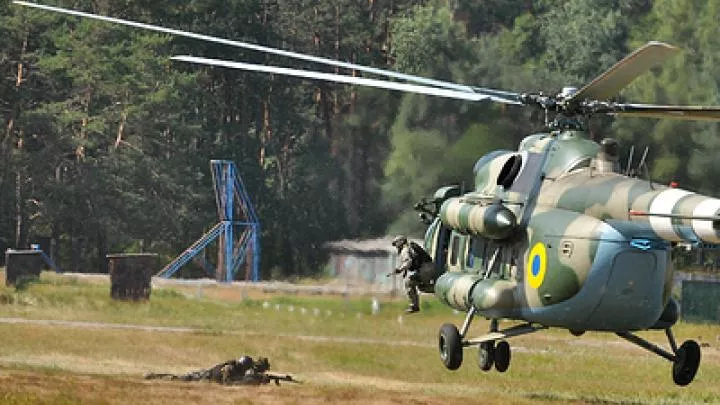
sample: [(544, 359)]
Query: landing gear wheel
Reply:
[(450, 346), (687, 362), (486, 355), (502, 356)]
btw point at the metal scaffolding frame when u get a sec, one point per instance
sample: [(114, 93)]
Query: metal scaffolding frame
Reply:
[(237, 232)]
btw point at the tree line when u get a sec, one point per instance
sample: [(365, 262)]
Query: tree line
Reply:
[(107, 141)]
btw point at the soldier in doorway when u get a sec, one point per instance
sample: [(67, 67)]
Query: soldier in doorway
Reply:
[(412, 257)]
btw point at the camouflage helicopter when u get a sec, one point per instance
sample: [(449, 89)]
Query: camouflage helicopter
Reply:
[(553, 234)]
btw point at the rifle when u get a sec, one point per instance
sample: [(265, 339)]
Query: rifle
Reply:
[(157, 376), (404, 273), (277, 378)]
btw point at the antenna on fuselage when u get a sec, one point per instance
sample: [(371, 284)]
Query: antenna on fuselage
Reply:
[(630, 159), (643, 166)]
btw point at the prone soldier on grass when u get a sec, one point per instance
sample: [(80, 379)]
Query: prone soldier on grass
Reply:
[(240, 371)]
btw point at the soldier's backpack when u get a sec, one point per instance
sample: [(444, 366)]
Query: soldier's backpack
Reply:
[(427, 272), (419, 255)]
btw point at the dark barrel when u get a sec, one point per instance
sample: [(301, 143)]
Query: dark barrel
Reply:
[(130, 275), (22, 265)]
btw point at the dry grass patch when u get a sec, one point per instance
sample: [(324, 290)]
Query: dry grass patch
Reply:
[(341, 352), (36, 387)]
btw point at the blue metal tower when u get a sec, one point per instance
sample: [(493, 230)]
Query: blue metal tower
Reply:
[(237, 232)]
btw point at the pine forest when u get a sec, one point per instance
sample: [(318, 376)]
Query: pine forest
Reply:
[(107, 141)]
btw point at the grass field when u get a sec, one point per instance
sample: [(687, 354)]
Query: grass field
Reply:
[(65, 341)]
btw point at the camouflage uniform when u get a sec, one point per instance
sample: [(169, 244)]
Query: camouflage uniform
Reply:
[(242, 370), (256, 375), (409, 271), (234, 370)]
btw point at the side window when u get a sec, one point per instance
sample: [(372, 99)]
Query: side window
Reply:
[(509, 268), (514, 272), (470, 256), (454, 250), (476, 252)]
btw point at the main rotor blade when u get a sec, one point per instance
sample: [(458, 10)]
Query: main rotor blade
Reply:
[(609, 83), (678, 112), (383, 84), (260, 48)]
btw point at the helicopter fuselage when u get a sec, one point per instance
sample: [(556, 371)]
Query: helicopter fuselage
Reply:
[(554, 234)]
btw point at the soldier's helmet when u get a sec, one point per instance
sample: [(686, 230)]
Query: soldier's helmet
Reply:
[(399, 240), (262, 365), (246, 362)]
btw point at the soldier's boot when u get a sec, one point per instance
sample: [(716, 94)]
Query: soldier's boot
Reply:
[(411, 309), (414, 301)]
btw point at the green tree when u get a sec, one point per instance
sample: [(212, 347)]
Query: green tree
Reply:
[(434, 141), (688, 78)]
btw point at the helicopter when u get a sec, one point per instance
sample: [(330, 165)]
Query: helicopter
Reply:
[(552, 235)]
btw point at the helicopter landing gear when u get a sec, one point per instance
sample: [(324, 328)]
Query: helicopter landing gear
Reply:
[(685, 359), (490, 354), (502, 356), (686, 363), (451, 342), (486, 355), (577, 333), (450, 346)]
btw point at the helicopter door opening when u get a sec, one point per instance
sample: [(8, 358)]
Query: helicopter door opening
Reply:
[(437, 241)]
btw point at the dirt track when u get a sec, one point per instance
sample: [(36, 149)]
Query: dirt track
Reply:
[(708, 350)]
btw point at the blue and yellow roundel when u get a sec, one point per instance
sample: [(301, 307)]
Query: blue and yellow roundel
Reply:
[(536, 265)]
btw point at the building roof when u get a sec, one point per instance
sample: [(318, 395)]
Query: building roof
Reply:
[(381, 245)]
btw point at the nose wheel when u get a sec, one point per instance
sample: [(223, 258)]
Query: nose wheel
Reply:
[(450, 345)]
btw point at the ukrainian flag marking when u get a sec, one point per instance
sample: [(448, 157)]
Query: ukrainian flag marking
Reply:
[(536, 265)]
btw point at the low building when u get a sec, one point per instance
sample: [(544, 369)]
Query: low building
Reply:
[(364, 264)]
